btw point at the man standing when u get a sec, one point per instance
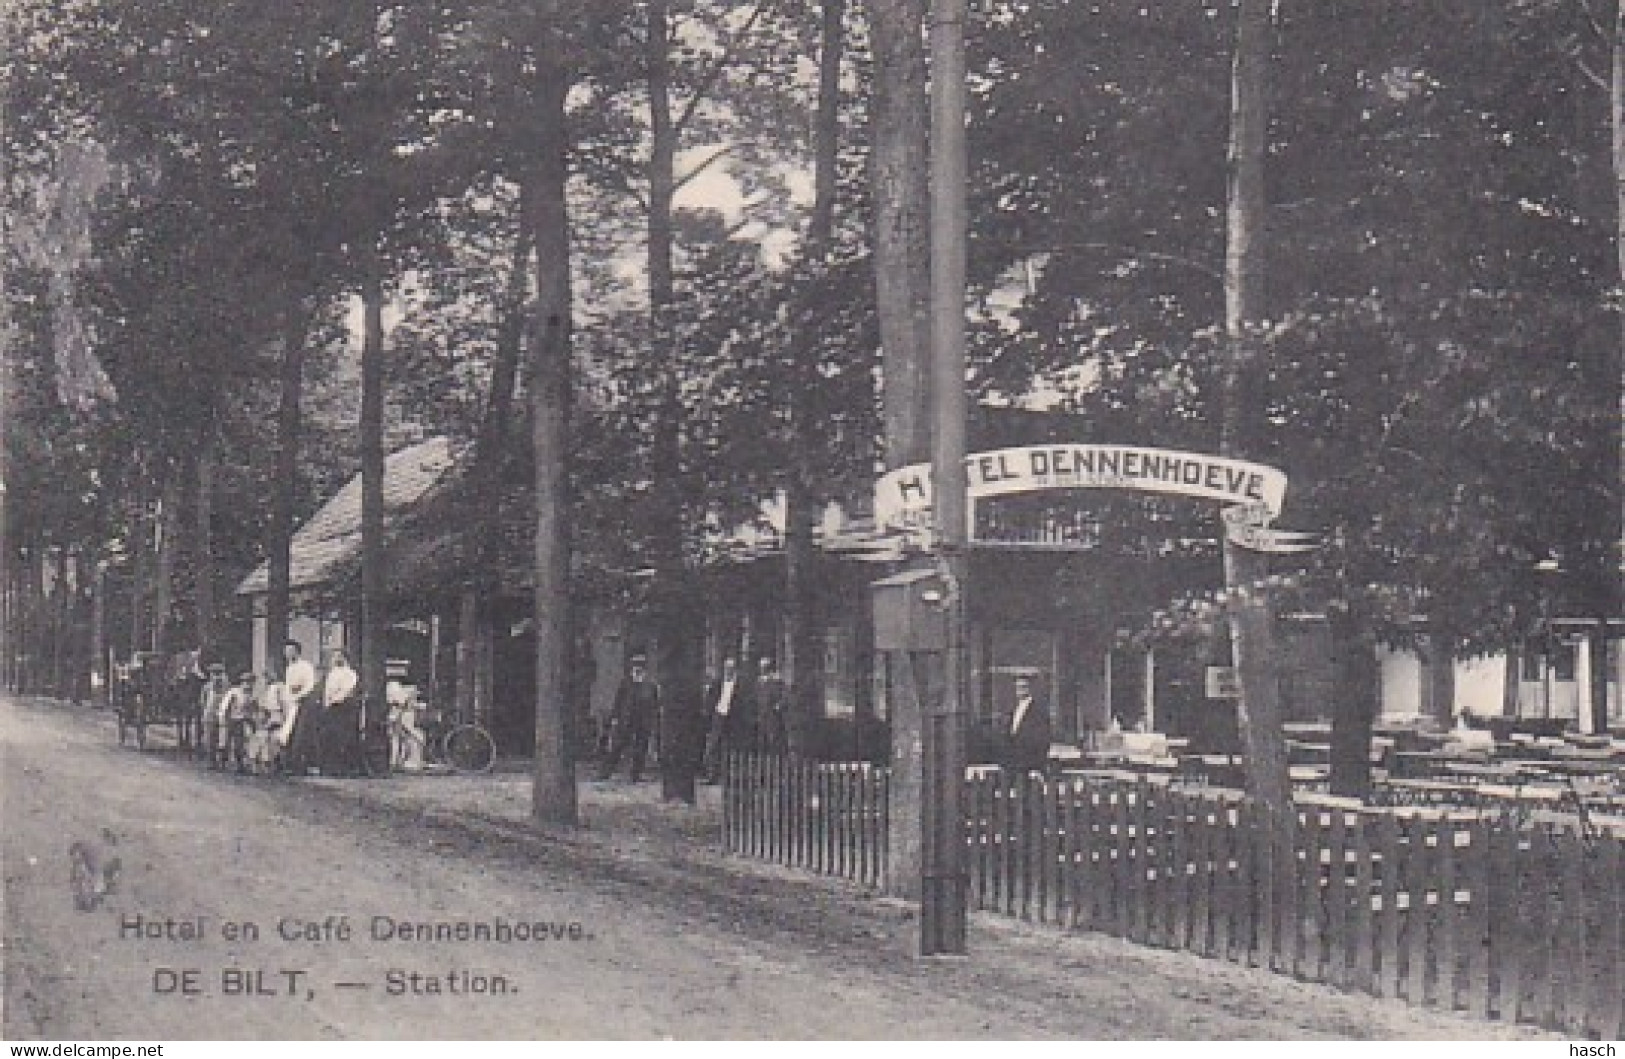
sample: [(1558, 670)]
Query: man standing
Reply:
[(1028, 739), (214, 695), (301, 724), (341, 722), (772, 731), (636, 709), (729, 716), (235, 716)]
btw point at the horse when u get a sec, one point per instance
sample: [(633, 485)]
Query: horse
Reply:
[(183, 691)]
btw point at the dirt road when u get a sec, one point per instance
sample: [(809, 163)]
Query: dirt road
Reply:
[(249, 908)]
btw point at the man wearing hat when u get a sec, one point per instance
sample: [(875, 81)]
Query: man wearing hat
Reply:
[(633, 717), (214, 695), (236, 710)]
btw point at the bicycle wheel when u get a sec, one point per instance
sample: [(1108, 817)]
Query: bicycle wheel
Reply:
[(469, 748)]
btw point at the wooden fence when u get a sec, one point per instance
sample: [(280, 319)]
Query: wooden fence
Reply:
[(1456, 910), (1453, 910), (827, 818)]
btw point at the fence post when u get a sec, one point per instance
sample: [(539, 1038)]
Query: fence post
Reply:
[(1362, 929), (1311, 903), (1122, 881), (1417, 878), (1202, 881), (1054, 843), (1179, 823), (1577, 943), (1481, 909), (1140, 888), (1507, 946), (1072, 873), (1543, 924), (1388, 911), (1449, 919), (729, 817), (1259, 896), (1337, 901), (1029, 843), (1610, 1007)]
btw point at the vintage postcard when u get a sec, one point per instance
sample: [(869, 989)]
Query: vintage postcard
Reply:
[(812, 520)]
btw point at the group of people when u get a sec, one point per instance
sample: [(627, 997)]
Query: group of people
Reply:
[(287, 724), (739, 715)]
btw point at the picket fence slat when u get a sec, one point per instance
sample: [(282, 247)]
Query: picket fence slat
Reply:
[(1388, 850), (1448, 919), (1413, 935), (1610, 1007), (1339, 941), (1539, 896), (1575, 961), (1481, 908)]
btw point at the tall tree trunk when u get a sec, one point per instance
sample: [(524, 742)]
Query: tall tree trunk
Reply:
[(203, 540), (1510, 679), (1441, 678), (39, 624), (1252, 624), (98, 635), (1597, 639), (482, 551), (140, 576), (372, 473), (1355, 687), (168, 525), (898, 172), (801, 505), (57, 622), (897, 175), (285, 487), (1616, 117), (553, 792), (680, 637), (494, 425), (8, 623)]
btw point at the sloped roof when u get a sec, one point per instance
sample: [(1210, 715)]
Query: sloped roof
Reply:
[(331, 539)]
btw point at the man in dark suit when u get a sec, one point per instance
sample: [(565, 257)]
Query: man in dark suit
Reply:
[(771, 700), (633, 719), (1028, 738)]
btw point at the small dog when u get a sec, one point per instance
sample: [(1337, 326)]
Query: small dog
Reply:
[(93, 869)]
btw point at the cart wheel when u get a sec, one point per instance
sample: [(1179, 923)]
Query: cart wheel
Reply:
[(469, 748)]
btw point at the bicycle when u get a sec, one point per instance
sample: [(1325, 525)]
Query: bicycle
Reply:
[(449, 745)]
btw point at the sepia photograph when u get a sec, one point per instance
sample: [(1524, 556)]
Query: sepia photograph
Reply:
[(812, 520)]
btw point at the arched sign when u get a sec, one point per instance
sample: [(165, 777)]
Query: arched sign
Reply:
[(1251, 493)]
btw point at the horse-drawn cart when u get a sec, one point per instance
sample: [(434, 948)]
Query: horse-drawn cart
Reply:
[(155, 689)]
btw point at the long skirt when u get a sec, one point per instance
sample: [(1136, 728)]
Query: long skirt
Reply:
[(341, 739)]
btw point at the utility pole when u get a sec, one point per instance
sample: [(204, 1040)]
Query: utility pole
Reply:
[(942, 860)]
